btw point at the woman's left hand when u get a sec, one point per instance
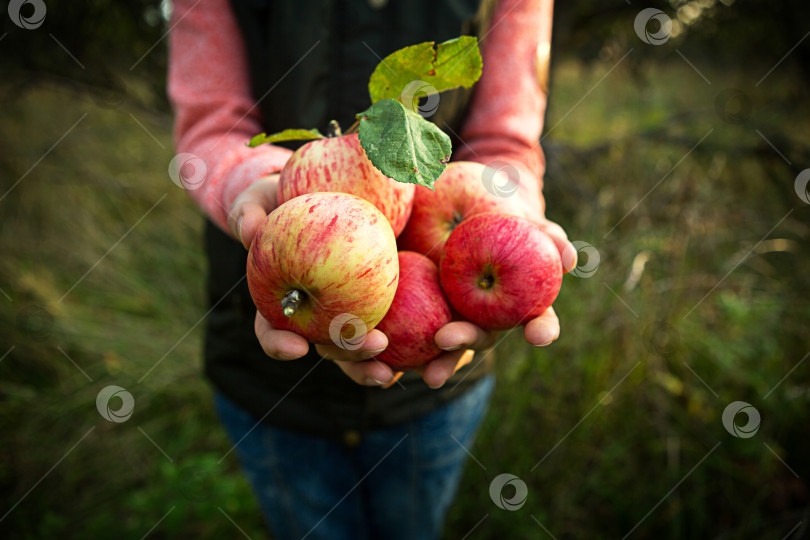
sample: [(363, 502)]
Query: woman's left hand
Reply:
[(461, 338)]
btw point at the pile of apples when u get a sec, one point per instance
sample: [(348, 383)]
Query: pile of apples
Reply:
[(327, 264)]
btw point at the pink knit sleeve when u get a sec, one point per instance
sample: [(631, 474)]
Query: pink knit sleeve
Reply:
[(215, 113), (506, 113)]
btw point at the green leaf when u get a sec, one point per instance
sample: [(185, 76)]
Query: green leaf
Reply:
[(423, 69), (403, 145), (286, 135)]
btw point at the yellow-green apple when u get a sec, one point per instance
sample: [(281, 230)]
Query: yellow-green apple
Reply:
[(461, 191), (340, 164), (499, 271), (321, 258), (418, 311)]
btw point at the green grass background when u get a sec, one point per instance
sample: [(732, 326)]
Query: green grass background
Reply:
[(622, 413)]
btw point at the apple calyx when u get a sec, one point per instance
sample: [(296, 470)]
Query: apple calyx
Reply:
[(487, 279), (291, 301)]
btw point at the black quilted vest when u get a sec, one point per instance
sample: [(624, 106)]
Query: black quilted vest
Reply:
[(310, 61)]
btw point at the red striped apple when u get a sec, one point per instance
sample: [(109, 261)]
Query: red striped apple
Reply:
[(460, 192), (418, 311), (322, 257), (340, 164), (499, 271)]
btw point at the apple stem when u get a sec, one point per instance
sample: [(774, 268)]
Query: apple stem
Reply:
[(291, 301), (457, 218), (333, 129)]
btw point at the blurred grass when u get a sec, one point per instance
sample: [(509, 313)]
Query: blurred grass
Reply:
[(102, 264)]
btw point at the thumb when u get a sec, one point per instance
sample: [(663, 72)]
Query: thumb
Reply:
[(250, 208), (250, 217), (568, 252)]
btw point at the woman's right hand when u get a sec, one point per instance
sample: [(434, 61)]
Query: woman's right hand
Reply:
[(359, 365), (247, 214), (251, 207)]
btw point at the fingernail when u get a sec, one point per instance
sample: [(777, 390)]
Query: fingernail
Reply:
[(369, 354), (545, 344), (452, 348), (373, 382), (436, 387), (239, 229), (287, 356)]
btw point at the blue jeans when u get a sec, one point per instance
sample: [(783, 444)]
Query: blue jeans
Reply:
[(397, 483)]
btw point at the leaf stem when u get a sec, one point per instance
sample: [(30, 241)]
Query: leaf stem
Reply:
[(353, 128)]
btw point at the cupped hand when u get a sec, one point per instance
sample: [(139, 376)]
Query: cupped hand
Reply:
[(461, 338), (359, 365), (251, 207)]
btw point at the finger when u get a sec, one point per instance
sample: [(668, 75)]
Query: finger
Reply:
[(542, 330), (568, 252), (279, 344), (437, 371), (373, 344), (250, 208), (367, 372), (247, 224), (458, 334)]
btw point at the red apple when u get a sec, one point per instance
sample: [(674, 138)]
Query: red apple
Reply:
[(340, 164), (461, 191), (499, 271), (324, 258), (418, 311)]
